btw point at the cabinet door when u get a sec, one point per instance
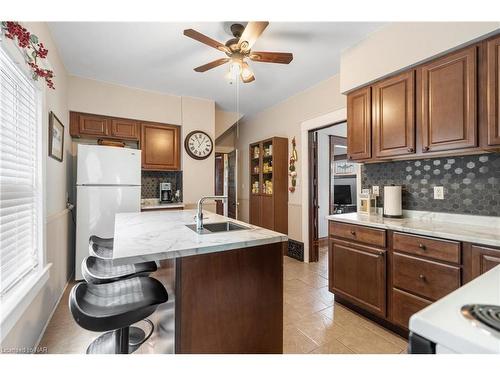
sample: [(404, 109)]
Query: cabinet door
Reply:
[(394, 115), (93, 125), (448, 102), (255, 209), (359, 276), (124, 129), (359, 123), (493, 92), (484, 259), (267, 212), (160, 145)]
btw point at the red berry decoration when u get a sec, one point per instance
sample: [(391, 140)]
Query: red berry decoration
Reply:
[(33, 49)]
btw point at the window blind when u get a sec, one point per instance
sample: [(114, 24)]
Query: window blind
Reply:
[(19, 176)]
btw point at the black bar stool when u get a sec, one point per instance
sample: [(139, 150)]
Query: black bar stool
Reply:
[(114, 307), (100, 271), (101, 247)]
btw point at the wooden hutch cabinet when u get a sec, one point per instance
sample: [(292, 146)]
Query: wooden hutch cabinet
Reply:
[(269, 184)]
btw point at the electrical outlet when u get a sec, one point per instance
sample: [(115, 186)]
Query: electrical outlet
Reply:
[(365, 191), (375, 190), (438, 192)]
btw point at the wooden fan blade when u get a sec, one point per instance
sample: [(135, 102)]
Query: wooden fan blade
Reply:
[(211, 65), (205, 40), (250, 34), (272, 57)]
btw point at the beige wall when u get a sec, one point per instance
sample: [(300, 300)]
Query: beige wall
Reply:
[(91, 96), (224, 120), (403, 44), (198, 175), (58, 223), (226, 142), (283, 120)]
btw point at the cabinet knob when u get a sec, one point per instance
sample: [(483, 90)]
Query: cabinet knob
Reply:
[(425, 149), (422, 277), (422, 246), (353, 233), (410, 149)]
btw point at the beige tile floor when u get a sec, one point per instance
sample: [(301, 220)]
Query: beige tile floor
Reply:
[(313, 322)]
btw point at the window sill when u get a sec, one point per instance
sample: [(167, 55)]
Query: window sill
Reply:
[(13, 308)]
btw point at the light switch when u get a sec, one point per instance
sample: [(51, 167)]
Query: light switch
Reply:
[(438, 192)]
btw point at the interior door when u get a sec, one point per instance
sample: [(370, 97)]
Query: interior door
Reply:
[(232, 191), (313, 197), (219, 181)]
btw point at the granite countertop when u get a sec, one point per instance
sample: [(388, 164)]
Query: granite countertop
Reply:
[(483, 230), (157, 235)]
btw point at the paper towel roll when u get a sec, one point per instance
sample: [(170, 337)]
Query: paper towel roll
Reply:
[(392, 201)]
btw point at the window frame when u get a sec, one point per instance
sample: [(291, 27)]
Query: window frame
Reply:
[(15, 304)]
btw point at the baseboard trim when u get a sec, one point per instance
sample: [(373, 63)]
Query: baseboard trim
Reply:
[(52, 313)]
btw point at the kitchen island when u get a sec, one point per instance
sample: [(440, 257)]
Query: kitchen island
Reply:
[(227, 286)]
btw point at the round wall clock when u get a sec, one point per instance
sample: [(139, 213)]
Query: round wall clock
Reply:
[(198, 145)]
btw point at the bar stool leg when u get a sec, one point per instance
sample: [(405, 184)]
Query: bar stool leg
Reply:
[(121, 337)]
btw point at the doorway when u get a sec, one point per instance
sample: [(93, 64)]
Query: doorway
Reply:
[(226, 183), (332, 182)]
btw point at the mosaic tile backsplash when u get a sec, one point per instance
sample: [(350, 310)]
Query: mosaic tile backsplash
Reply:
[(471, 183), (151, 183)]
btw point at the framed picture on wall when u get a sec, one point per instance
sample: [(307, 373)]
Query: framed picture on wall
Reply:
[(56, 137)]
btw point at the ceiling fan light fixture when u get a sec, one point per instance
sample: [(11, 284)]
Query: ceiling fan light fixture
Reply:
[(246, 72), (235, 67)]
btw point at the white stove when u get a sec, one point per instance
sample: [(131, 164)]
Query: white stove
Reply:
[(465, 321)]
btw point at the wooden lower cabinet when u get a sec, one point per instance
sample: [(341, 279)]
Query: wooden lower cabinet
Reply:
[(389, 276), (359, 275), (483, 259), (404, 305), (255, 209)]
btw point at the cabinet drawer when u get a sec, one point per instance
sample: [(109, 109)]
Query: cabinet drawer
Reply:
[(448, 251), (425, 278), (404, 305), (370, 236)]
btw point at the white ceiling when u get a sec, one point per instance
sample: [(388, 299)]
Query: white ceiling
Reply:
[(158, 57)]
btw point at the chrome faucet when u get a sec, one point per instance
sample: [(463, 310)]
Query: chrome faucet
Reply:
[(199, 211)]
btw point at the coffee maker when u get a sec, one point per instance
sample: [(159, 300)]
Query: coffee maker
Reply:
[(165, 192)]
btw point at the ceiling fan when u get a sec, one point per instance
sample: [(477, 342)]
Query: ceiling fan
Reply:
[(238, 49)]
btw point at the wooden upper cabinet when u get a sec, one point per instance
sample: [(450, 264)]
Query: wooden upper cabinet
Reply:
[(493, 92), (160, 145), (93, 125), (359, 124), (394, 115), (124, 129), (448, 90)]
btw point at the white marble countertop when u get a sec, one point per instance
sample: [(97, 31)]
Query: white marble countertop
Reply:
[(483, 230), (157, 235), (443, 323)]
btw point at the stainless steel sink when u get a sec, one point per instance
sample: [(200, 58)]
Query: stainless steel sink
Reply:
[(225, 226)]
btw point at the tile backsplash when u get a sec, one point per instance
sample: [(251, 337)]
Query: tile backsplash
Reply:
[(471, 183), (151, 183)]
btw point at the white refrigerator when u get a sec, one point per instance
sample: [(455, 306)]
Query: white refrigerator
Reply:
[(108, 182)]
